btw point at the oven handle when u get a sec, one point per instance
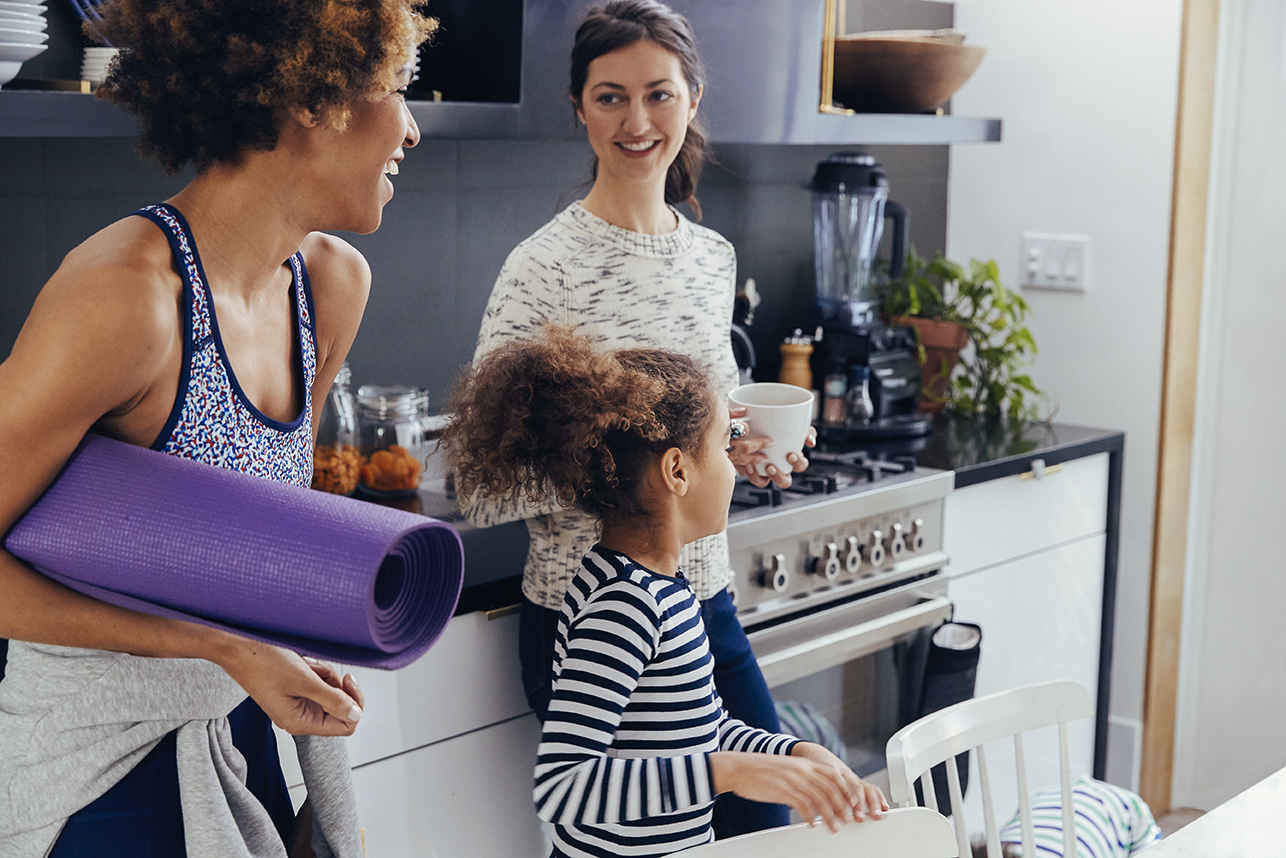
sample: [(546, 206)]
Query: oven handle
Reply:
[(805, 659)]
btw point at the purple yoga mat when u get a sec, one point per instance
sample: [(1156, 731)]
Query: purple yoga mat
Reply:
[(323, 575)]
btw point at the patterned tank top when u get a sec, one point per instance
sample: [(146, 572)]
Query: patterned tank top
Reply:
[(212, 421)]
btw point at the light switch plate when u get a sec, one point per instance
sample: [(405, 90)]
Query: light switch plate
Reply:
[(1053, 261)]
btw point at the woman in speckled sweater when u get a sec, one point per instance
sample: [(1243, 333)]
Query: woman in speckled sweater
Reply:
[(626, 267)]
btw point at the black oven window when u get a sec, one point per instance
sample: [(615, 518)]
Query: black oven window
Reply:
[(854, 708)]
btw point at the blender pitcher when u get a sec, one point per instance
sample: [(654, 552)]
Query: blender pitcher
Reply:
[(850, 203)]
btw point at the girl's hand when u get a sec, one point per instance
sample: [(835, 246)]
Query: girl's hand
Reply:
[(301, 696), (814, 790), (746, 455), (867, 797)]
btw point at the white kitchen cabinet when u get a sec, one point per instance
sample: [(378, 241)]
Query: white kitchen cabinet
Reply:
[(468, 680), (1028, 559), (467, 797), (1040, 617)]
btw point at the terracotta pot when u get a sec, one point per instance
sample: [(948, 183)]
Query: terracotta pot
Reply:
[(942, 341)]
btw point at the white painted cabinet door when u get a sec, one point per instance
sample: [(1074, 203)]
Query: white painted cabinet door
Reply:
[(1041, 616), (467, 797)]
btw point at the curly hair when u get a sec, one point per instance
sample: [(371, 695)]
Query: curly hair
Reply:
[(619, 24), (558, 415), (206, 79)]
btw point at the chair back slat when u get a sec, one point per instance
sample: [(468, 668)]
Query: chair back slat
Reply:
[(988, 805), (930, 794), (1069, 810), (1024, 797), (957, 805)]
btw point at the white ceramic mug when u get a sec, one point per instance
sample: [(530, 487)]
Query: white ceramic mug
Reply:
[(778, 411)]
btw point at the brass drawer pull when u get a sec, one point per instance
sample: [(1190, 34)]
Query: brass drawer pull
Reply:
[(506, 611), (1039, 470)]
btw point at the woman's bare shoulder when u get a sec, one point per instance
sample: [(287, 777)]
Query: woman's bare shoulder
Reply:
[(340, 281), (126, 266), (336, 265), (106, 324)]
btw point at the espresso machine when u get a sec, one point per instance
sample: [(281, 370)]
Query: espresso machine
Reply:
[(869, 371)]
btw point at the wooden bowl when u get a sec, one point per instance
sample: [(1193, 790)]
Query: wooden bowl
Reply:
[(902, 74)]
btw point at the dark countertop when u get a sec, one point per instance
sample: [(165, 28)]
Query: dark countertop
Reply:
[(977, 451)]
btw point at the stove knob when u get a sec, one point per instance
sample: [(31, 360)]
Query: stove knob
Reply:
[(830, 566), (897, 548), (876, 548), (917, 535), (854, 559), (776, 577)]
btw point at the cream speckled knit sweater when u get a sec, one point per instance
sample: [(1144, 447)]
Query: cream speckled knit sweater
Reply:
[(672, 291)]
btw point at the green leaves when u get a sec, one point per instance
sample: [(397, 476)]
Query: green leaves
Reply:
[(989, 379)]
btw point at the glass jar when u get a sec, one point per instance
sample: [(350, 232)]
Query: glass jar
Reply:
[(391, 438), (336, 460)]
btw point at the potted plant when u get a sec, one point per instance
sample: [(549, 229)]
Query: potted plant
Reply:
[(953, 307)]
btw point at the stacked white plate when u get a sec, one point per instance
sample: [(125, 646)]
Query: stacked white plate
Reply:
[(22, 35), (94, 67)]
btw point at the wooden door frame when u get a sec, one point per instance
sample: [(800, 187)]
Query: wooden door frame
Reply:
[(1198, 56)]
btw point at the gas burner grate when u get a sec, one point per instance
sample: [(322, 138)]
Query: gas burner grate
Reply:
[(748, 494), (859, 462), (813, 484)]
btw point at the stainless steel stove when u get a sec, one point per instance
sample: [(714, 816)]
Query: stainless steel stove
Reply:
[(848, 524), (838, 581)]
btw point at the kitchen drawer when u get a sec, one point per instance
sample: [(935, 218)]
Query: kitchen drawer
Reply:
[(1002, 519), (468, 680), (468, 797)]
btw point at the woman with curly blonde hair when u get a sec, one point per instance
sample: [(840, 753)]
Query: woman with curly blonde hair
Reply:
[(209, 327)]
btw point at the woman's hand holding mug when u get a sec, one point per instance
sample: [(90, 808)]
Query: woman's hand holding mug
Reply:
[(771, 411)]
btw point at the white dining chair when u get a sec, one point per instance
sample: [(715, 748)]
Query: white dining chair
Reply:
[(938, 737), (910, 832)]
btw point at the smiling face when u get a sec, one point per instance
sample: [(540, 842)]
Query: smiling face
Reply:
[(360, 159), (636, 106)]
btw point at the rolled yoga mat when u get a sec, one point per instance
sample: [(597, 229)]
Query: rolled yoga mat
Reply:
[(323, 575)]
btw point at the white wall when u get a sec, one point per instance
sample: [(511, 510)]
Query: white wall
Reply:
[(1232, 689), (1087, 90)]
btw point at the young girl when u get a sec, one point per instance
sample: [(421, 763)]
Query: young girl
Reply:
[(636, 743)]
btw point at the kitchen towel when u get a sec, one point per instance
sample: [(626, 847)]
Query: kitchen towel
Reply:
[(323, 575)]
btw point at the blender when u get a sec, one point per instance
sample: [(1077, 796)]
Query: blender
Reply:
[(870, 371)]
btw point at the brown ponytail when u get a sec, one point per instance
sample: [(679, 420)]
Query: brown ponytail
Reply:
[(621, 23), (558, 415)]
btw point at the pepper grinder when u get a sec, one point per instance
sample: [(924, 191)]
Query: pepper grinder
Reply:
[(795, 352)]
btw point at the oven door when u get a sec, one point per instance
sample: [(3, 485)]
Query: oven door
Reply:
[(850, 675)]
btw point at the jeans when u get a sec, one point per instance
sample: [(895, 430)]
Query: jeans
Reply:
[(736, 677), (141, 817)]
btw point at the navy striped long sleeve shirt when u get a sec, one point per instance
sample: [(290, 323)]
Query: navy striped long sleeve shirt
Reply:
[(623, 766)]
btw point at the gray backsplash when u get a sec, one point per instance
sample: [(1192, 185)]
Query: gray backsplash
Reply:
[(460, 207)]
